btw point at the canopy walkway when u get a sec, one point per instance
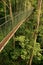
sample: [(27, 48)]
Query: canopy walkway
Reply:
[(8, 28)]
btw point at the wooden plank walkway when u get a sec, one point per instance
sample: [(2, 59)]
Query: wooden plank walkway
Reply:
[(10, 35)]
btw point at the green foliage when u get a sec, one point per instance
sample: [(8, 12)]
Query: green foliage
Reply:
[(15, 54), (21, 39), (37, 49)]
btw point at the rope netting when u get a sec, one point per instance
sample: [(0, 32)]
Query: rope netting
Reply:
[(18, 16)]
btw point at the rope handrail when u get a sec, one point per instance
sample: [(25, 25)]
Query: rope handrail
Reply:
[(7, 16), (10, 18)]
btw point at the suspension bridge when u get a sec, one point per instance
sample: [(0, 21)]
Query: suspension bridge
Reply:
[(8, 28)]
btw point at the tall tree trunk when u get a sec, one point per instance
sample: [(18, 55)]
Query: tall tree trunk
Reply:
[(11, 15), (37, 27)]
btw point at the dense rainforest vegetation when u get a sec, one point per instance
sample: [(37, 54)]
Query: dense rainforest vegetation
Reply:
[(26, 46)]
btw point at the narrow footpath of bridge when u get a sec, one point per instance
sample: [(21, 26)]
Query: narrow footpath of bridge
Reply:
[(12, 32)]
